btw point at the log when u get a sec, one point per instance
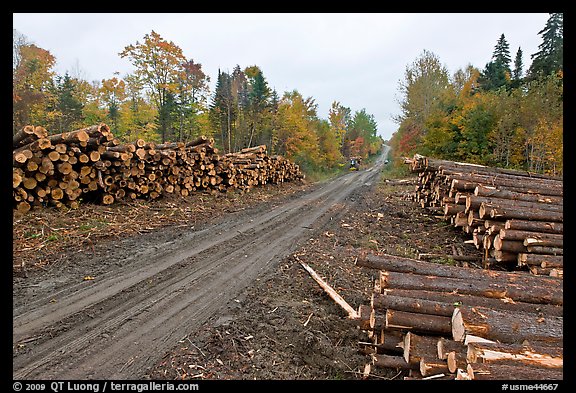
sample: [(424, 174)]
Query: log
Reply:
[(512, 183), (390, 341), (516, 234), (487, 371), (445, 345), (557, 272), (513, 246), (537, 355), (536, 226), (433, 366), (487, 191), (27, 135), (352, 314), (474, 202), (537, 240), (463, 258), (526, 214), (505, 326), (401, 303), (549, 292), (419, 323), (542, 260), (409, 265), (456, 360), (545, 250), (377, 320), (499, 257), (363, 319), (456, 299), (417, 347), (391, 361)]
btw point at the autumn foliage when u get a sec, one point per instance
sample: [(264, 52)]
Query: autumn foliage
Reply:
[(492, 117), (168, 98)]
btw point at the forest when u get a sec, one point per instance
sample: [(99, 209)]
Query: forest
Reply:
[(167, 98), (499, 115)]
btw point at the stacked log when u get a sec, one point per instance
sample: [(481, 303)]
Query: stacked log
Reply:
[(514, 217), (447, 322), (90, 164)]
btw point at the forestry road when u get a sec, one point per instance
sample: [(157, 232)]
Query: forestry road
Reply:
[(161, 286)]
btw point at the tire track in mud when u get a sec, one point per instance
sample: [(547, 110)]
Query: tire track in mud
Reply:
[(120, 325)]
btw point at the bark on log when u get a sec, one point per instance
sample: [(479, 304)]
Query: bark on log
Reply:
[(529, 214), (542, 260), (538, 240), (419, 323), (536, 226), (446, 345), (414, 305), (391, 361), (514, 246), (417, 347), (474, 202), (550, 293), (494, 192), (505, 326), (545, 250), (515, 234), (409, 265), (457, 299)]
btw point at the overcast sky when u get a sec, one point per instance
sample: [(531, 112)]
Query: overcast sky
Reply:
[(354, 58)]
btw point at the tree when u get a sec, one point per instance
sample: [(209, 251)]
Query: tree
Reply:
[(297, 139), (159, 66), (549, 58), (190, 100), (222, 111), (31, 82), (497, 72), (339, 118), (66, 106), (501, 53), (113, 93), (425, 84), (258, 105), (517, 72)]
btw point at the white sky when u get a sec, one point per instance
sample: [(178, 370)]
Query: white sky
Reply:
[(357, 59)]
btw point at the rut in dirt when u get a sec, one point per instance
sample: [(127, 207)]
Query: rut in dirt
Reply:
[(120, 325)]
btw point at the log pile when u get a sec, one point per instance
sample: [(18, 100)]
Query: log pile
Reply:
[(515, 217), (90, 164), (445, 322)]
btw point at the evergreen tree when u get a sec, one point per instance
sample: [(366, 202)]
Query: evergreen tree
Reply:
[(68, 108), (222, 112), (497, 72), (549, 58), (501, 53), (517, 72)]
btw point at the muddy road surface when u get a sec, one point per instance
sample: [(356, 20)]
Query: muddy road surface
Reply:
[(154, 289)]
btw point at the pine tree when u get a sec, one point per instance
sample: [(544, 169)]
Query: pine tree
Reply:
[(549, 58), (68, 106), (222, 113), (497, 72), (501, 53), (517, 72)]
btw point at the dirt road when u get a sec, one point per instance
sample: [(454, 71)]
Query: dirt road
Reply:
[(153, 290)]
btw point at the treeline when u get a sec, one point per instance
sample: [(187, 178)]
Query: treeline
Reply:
[(499, 116), (168, 98)]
